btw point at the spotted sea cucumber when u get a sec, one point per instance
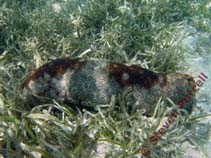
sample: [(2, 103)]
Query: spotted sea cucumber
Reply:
[(91, 82)]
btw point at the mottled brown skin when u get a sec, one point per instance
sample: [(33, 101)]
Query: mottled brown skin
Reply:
[(137, 75), (54, 68), (91, 82)]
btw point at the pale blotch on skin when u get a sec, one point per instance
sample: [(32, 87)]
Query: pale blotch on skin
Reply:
[(30, 90), (100, 80), (65, 83), (161, 79), (115, 66), (125, 76)]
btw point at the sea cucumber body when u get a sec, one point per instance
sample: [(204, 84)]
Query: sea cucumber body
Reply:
[(91, 82)]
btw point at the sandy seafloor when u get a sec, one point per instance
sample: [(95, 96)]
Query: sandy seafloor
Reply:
[(198, 59)]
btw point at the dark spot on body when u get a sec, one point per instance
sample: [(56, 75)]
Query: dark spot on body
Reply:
[(137, 75)]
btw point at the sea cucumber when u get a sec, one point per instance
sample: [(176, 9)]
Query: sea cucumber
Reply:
[(91, 82)]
